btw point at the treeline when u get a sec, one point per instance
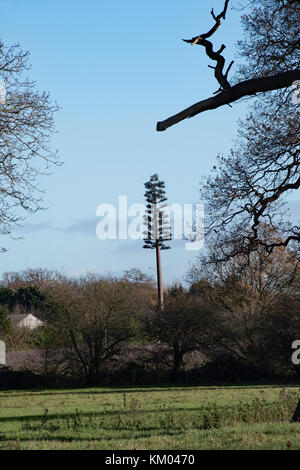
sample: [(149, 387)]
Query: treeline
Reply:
[(234, 322)]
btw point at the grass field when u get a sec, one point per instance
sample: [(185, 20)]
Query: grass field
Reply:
[(254, 417)]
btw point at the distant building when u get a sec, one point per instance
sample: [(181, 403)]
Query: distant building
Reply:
[(26, 320)]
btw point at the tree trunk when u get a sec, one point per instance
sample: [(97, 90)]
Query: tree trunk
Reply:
[(159, 279)]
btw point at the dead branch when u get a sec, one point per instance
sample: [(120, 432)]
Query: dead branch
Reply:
[(236, 92), (201, 40)]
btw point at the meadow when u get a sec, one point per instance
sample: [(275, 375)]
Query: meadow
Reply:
[(155, 418)]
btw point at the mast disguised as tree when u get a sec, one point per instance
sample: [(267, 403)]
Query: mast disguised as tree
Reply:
[(158, 226)]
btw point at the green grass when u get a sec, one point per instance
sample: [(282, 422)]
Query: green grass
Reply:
[(150, 418)]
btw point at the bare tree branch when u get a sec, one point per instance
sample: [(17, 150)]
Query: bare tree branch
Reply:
[(269, 52), (246, 88), (202, 41), (26, 127)]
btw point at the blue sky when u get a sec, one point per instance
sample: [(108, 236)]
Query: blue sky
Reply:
[(115, 69)]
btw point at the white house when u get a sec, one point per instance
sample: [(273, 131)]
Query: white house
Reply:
[(26, 320)]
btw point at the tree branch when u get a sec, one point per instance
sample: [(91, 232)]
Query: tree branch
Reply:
[(201, 40), (245, 88)]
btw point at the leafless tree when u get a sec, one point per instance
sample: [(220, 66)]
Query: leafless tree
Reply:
[(42, 278), (97, 319), (26, 124), (249, 187), (258, 294), (185, 325)]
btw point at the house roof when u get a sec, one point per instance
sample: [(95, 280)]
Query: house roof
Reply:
[(18, 318)]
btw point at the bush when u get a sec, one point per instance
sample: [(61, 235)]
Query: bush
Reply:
[(226, 369), (5, 323)]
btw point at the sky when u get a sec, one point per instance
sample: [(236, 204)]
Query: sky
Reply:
[(116, 68)]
